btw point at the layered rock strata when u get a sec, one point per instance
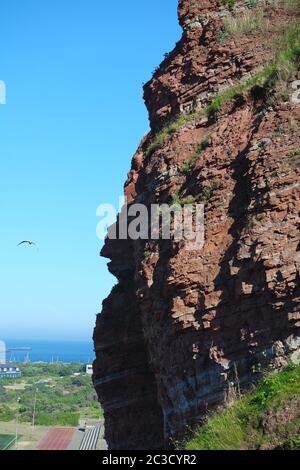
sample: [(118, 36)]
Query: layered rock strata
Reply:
[(182, 328)]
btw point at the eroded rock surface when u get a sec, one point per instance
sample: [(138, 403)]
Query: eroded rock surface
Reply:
[(182, 327)]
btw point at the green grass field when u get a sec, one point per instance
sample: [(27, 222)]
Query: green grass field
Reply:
[(6, 441)]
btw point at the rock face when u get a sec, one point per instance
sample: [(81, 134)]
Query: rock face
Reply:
[(181, 327)]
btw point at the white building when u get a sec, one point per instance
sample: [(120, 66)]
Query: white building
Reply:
[(89, 369), (10, 371)]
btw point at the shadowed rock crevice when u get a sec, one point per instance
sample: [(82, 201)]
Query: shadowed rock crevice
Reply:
[(123, 379)]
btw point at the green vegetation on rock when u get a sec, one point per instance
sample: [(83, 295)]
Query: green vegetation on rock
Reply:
[(186, 167), (229, 3), (178, 200), (266, 418), (243, 24), (296, 153), (285, 64), (167, 131)]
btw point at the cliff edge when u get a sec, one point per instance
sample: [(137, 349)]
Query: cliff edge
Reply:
[(181, 328)]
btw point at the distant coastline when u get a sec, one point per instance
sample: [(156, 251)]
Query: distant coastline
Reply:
[(51, 351)]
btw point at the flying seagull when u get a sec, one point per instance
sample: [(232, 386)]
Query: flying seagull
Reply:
[(28, 242)]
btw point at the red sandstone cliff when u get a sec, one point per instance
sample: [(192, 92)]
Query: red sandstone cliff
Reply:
[(181, 326)]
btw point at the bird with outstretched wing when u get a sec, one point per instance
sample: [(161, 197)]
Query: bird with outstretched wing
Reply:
[(27, 242)]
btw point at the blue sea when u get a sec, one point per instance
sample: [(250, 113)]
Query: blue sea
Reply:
[(51, 351)]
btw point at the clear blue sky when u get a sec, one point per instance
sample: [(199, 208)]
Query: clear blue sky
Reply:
[(73, 119)]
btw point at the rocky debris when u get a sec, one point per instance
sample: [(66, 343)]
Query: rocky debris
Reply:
[(182, 327)]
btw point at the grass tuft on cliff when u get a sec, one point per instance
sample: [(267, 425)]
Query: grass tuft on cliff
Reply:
[(244, 24), (168, 131), (266, 418)]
